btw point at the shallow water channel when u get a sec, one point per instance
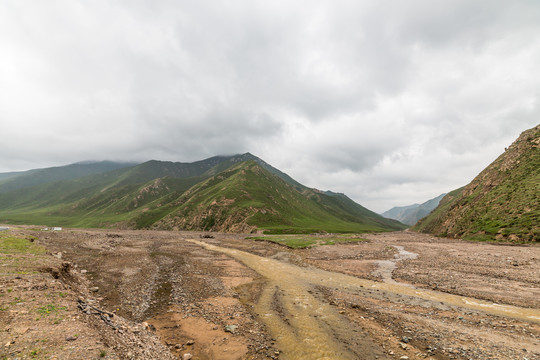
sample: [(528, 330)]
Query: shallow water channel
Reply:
[(387, 267), (307, 327)]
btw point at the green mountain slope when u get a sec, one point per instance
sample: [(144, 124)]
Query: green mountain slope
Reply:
[(502, 202), (231, 193), (14, 181), (247, 197)]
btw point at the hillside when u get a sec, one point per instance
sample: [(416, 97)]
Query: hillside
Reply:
[(24, 179), (247, 197), (502, 202), (227, 193), (410, 214)]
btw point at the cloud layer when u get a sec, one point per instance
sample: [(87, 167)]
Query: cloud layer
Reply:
[(390, 102)]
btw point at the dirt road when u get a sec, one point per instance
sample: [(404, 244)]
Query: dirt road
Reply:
[(395, 296)]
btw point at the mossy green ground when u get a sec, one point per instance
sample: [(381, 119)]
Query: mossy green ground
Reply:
[(305, 241), (10, 244)]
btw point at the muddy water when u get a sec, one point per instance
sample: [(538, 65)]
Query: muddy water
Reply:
[(307, 327), (386, 267)]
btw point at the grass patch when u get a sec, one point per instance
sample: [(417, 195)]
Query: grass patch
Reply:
[(15, 245), (479, 237), (50, 309), (305, 241)]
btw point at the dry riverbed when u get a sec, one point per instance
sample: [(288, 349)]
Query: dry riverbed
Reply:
[(152, 294)]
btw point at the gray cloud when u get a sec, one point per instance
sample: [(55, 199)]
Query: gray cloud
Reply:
[(390, 102)]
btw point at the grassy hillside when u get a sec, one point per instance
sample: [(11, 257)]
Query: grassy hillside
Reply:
[(220, 193), (502, 202), (14, 181), (248, 197)]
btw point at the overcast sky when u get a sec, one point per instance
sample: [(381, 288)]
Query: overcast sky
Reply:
[(389, 102)]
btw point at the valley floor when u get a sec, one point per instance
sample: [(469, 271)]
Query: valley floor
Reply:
[(158, 295)]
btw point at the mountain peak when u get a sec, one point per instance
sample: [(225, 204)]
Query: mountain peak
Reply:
[(238, 193)]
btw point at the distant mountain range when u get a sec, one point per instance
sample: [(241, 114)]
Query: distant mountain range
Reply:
[(502, 202), (239, 193), (410, 214)]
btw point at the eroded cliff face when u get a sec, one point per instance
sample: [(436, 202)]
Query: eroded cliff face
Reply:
[(502, 202)]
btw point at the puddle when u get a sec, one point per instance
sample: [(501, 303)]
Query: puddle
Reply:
[(306, 327)]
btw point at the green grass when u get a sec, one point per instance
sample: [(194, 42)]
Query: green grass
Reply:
[(305, 241), (479, 237), (10, 244), (50, 309)]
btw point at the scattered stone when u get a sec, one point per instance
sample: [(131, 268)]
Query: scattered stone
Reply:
[(403, 346), (84, 271), (94, 289), (231, 328), (404, 357), (405, 339), (187, 356), (20, 330), (71, 338)]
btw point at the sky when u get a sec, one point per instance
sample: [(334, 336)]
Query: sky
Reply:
[(389, 102)]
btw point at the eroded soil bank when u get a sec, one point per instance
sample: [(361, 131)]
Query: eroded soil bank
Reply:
[(228, 297)]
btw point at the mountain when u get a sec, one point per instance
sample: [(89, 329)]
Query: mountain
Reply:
[(24, 179), (502, 202), (225, 193), (410, 214)]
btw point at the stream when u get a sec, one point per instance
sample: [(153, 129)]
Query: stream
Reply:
[(387, 267), (305, 326)]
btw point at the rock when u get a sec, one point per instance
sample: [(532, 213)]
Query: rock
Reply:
[(94, 289), (231, 328), (404, 358), (403, 346), (187, 356), (405, 340), (84, 271), (71, 338), (21, 330), (190, 342)]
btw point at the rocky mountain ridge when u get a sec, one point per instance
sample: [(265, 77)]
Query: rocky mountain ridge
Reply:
[(410, 214)]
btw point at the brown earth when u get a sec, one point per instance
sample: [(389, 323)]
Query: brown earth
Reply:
[(154, 295)]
